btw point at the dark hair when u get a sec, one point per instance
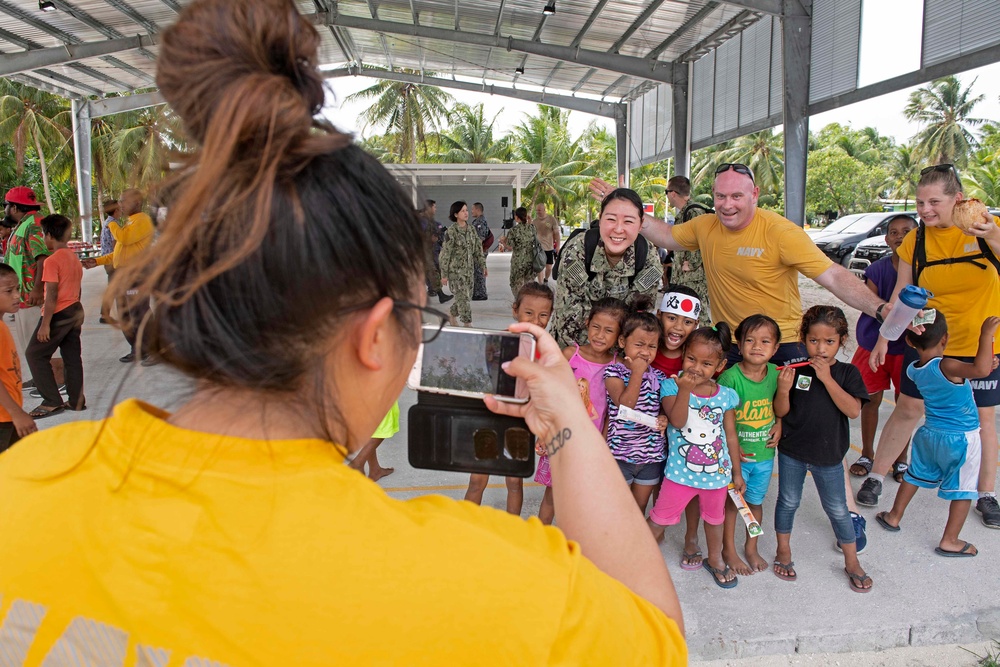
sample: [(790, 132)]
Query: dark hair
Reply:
[(681, 185), (521, 213), (932, 335), (947, 178), (455, 208), (754, 322), (639, 317), (612, 306), (55, 225), (894, 218), (24, 208), (7, 271), (533, 288), (478, 205), (429, 202), (624, 194), (829, 315), (271, 203), (719, 336)]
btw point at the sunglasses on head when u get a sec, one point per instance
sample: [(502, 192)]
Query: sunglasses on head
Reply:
[(944, 168), (737, 167)]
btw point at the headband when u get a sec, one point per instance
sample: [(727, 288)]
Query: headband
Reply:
[(681, 304)]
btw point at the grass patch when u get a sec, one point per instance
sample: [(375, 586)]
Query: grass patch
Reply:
[(992, 657)]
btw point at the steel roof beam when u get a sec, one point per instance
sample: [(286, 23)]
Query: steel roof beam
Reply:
[(698, 17), (589, 22), (496, 29), (173, 5), (636, 24), (594, 107), (776, 7), (61, 55), (632, 66), (112, 105), (733, 26), (138, 18)]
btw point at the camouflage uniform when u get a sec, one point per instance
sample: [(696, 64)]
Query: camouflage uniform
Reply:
[(433, 231), (461, 253), (521, 240), (576, 293), (482, 228), (695, 278)]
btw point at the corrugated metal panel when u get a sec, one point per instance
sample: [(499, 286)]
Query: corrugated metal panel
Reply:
[(836, 34), (755, 72), (727, 86), (702, 94), (956, 27), (637, 125), (777, 68), (664, 119), (649, 112)]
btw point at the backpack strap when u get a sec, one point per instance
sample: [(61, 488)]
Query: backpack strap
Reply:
[(558, 258), (920, 256), (593, 239)]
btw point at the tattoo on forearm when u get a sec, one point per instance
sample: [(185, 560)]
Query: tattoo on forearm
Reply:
[(558, 442)]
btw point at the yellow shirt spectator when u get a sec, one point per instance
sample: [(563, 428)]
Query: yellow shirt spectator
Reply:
[(130, 239), (140, 542), (756, 269)]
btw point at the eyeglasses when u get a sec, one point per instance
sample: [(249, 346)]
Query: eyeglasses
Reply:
[(737, 167), (944, 168), (431, 320), (669, 191)]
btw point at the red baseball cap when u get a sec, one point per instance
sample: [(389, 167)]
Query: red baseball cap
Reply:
[(22, 195)]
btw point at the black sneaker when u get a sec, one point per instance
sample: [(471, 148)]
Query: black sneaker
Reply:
[(869, 492), (445, 298), (127, 359), (989, 509)]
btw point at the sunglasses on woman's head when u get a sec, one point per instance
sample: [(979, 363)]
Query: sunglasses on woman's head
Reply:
[(737, 167), (944, 168)]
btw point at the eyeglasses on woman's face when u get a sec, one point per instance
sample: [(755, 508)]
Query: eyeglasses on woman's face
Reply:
[(431, 320)]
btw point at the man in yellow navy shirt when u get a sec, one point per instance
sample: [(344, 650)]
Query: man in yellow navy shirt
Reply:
[(753, 259), (133, 232)]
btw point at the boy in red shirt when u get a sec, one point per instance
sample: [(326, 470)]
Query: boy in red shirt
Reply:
[(14, 422), (62, 320)]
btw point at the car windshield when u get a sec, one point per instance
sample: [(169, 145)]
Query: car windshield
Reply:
[(853, 224)]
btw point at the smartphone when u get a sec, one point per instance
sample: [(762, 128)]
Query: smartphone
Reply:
[(467, 363)]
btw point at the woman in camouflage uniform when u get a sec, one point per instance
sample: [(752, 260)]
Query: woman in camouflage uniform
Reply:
[(461, 253), (520, 239), (613, 266)]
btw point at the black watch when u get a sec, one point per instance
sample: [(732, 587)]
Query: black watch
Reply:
[(878, 313)]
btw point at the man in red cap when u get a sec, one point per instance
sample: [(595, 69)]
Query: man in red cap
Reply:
[(26, 253)]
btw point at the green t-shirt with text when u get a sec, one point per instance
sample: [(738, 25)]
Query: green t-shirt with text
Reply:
[(755, 412)]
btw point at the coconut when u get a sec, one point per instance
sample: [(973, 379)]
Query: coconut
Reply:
[(967, 213)]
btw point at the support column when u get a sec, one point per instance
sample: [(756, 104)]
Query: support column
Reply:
[(796, 42), (621, 143), (681, 122), (517, 187), (81, 152)]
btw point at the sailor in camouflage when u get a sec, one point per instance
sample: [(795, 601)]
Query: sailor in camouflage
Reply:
[(689, 268), (520, 239), (577, 293), (461, 253)]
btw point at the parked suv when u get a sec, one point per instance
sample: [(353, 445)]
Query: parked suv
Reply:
[(839, 239)]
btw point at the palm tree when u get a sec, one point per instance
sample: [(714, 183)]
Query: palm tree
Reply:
[(36, 119), (544, 139), (762, 151), (408, 109), (904, 169), (983, 182), (470, 138), (945, 110), (142, 145)]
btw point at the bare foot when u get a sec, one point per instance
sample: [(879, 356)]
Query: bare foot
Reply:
[(736, 564), (657, 530), (957, 548), (691, 547), (378, 473), (754, 559)]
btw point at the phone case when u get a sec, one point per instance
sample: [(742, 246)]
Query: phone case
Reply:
[(461, 435)]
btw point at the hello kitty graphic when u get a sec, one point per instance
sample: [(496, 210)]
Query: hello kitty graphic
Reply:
[(702, 448)]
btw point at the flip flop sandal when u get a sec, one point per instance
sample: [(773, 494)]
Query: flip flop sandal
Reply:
[(856, 581), (691, 567), (863, 462), (716, 573), (42, 413), (961, 553), (789, 568), (880, 517), (897, 471)]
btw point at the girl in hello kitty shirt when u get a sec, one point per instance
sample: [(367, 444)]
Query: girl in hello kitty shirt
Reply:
[(704, 453)]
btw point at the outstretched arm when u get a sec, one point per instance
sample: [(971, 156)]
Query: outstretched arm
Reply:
[(846, 287)]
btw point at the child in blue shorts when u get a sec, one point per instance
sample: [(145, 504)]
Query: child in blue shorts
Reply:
[(946, 450)]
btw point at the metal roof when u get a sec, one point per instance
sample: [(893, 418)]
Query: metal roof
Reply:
[(426, 175), (609, 50)]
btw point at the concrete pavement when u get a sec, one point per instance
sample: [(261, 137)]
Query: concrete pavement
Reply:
[(919, 598)]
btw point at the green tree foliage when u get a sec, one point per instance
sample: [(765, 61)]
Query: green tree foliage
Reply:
[(944, 108), (407, 110), (838, 182), (469, 139)]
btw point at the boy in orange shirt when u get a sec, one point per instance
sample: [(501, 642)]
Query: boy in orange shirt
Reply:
[(15, 423), (62, 320)]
